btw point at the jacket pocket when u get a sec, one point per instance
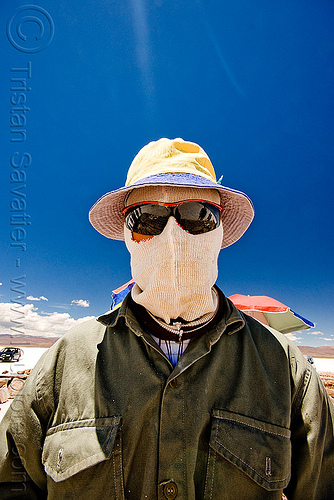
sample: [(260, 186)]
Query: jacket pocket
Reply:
[(259, 449), (73, 447)]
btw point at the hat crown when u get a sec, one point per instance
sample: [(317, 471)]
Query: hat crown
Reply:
[(168, 156)]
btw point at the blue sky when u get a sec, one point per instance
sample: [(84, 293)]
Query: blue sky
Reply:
[(251, 82)]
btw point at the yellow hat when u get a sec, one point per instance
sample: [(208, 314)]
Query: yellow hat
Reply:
[(177, 163)]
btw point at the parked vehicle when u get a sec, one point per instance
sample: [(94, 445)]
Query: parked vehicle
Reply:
[(9, 354), (309, 358)]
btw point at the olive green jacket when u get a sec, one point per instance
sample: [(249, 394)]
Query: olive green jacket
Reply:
[(104, 415)]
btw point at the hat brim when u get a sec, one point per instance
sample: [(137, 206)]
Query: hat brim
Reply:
[(107, 218)]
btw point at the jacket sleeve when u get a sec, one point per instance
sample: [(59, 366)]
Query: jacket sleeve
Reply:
[(21, 441), (312, 430)]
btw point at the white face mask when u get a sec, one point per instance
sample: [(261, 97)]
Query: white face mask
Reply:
[(175, 271)]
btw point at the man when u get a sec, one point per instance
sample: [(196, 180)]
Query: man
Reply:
[(176, 394)]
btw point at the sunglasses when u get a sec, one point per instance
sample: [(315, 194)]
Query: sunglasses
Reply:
[(194, 216)]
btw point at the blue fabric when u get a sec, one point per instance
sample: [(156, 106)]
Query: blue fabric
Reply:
[(181, 179), (119, 295), (308, 322)]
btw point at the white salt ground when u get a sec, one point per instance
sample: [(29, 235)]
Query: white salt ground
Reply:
[(324, 364), (28, 360)]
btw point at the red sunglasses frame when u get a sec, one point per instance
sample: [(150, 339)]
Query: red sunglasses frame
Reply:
[(174, 204)]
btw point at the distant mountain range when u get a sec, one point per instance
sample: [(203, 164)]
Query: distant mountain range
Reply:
[(326, 351), (26, 341)]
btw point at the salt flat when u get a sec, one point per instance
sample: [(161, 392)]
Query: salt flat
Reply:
[(324, 364), (28, 360), (32, 354)]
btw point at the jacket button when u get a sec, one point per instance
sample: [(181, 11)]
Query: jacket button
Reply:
[(173, 383), (170, 490)]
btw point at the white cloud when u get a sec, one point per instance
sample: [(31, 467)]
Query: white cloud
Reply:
[(30, 322), (314, 333), (294, 338), (330, 340), (30, 297), (81, 302), (0, 284)]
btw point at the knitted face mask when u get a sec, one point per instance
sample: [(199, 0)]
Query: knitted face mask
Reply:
[(175, 271)]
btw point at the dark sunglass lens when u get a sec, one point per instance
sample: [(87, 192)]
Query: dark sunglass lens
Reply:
[(147, 219), (197, 217)]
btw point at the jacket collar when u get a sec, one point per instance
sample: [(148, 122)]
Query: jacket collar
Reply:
[(232, 320), (111, 318)]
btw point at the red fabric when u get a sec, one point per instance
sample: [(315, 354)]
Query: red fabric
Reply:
[(258, 303)]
